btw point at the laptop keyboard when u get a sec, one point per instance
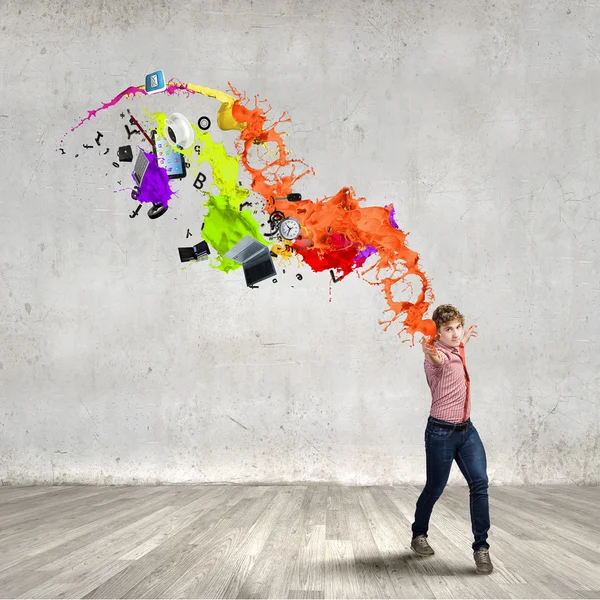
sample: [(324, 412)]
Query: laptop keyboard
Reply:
[(141, 164), (247, 253)]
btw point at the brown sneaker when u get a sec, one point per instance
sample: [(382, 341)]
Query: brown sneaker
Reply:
[(483, 561), (420, 546)]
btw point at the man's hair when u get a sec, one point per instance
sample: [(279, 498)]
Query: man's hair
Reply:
[(445, 313)]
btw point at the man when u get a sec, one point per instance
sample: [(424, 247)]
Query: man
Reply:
[(450, 435)]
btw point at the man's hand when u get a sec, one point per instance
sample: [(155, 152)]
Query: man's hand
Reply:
[(431, 353), (468, 333)]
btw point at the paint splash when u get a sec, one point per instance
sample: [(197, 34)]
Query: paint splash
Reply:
[(337, 233), (225, 119), (224, 224), (155, 186)]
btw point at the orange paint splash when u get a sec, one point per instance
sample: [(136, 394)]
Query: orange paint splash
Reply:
[(336, 229)]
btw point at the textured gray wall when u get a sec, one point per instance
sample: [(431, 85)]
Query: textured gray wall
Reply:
[(477, 120)]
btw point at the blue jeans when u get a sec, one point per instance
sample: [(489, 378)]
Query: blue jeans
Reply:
[(442, 447)]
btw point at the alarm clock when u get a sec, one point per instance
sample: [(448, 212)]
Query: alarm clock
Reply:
[(289, 229)]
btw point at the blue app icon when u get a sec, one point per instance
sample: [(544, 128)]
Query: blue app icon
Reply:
[(155, 82)]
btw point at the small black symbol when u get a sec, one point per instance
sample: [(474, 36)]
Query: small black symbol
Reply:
[(115, 164), (86, 146), (201, 228), (204, 123), (289, 197), (128, 112), (62, 150), (135, 192), (157, 210), (135, 212), (274, 280), (245, 204), (119, 182), (200, 179), (98, 137), (130, 133), (76, 155), (254, 287), (125, 153), (187, 165), (122, 115), (333, 276), (197, 149), (298, 277), (188, 234), (106, 151)]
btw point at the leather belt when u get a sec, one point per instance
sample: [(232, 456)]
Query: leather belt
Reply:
[(456, 426)]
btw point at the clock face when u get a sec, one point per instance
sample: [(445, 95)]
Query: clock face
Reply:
[(289, 229)]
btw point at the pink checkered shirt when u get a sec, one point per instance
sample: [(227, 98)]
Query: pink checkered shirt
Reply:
[(450, 384)]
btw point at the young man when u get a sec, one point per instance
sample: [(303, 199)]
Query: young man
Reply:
[(450, 435)]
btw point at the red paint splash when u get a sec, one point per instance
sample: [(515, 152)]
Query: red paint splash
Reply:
[(336, 230)]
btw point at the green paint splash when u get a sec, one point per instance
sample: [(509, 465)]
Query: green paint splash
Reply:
[(224, 224)]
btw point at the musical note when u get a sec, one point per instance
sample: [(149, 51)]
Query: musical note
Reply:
[(135, 212)]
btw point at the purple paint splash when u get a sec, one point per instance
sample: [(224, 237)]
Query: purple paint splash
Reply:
[(392, 218), (362, 256), (155, 186)]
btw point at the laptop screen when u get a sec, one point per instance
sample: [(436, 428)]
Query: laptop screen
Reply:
[(260, 270)]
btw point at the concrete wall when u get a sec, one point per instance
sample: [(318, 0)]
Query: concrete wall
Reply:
[(479, 121)]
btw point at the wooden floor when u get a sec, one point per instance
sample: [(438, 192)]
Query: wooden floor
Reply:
[(312, 541)]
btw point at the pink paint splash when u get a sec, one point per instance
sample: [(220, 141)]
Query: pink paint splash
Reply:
[(173, 87)]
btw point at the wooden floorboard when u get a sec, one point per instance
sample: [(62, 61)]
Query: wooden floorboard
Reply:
[(301, 541)]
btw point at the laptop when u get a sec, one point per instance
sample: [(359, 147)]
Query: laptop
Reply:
[(198, 252), (255, 259), (141, 164)]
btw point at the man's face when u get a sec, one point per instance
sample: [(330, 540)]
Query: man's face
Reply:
[(451, 333)]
